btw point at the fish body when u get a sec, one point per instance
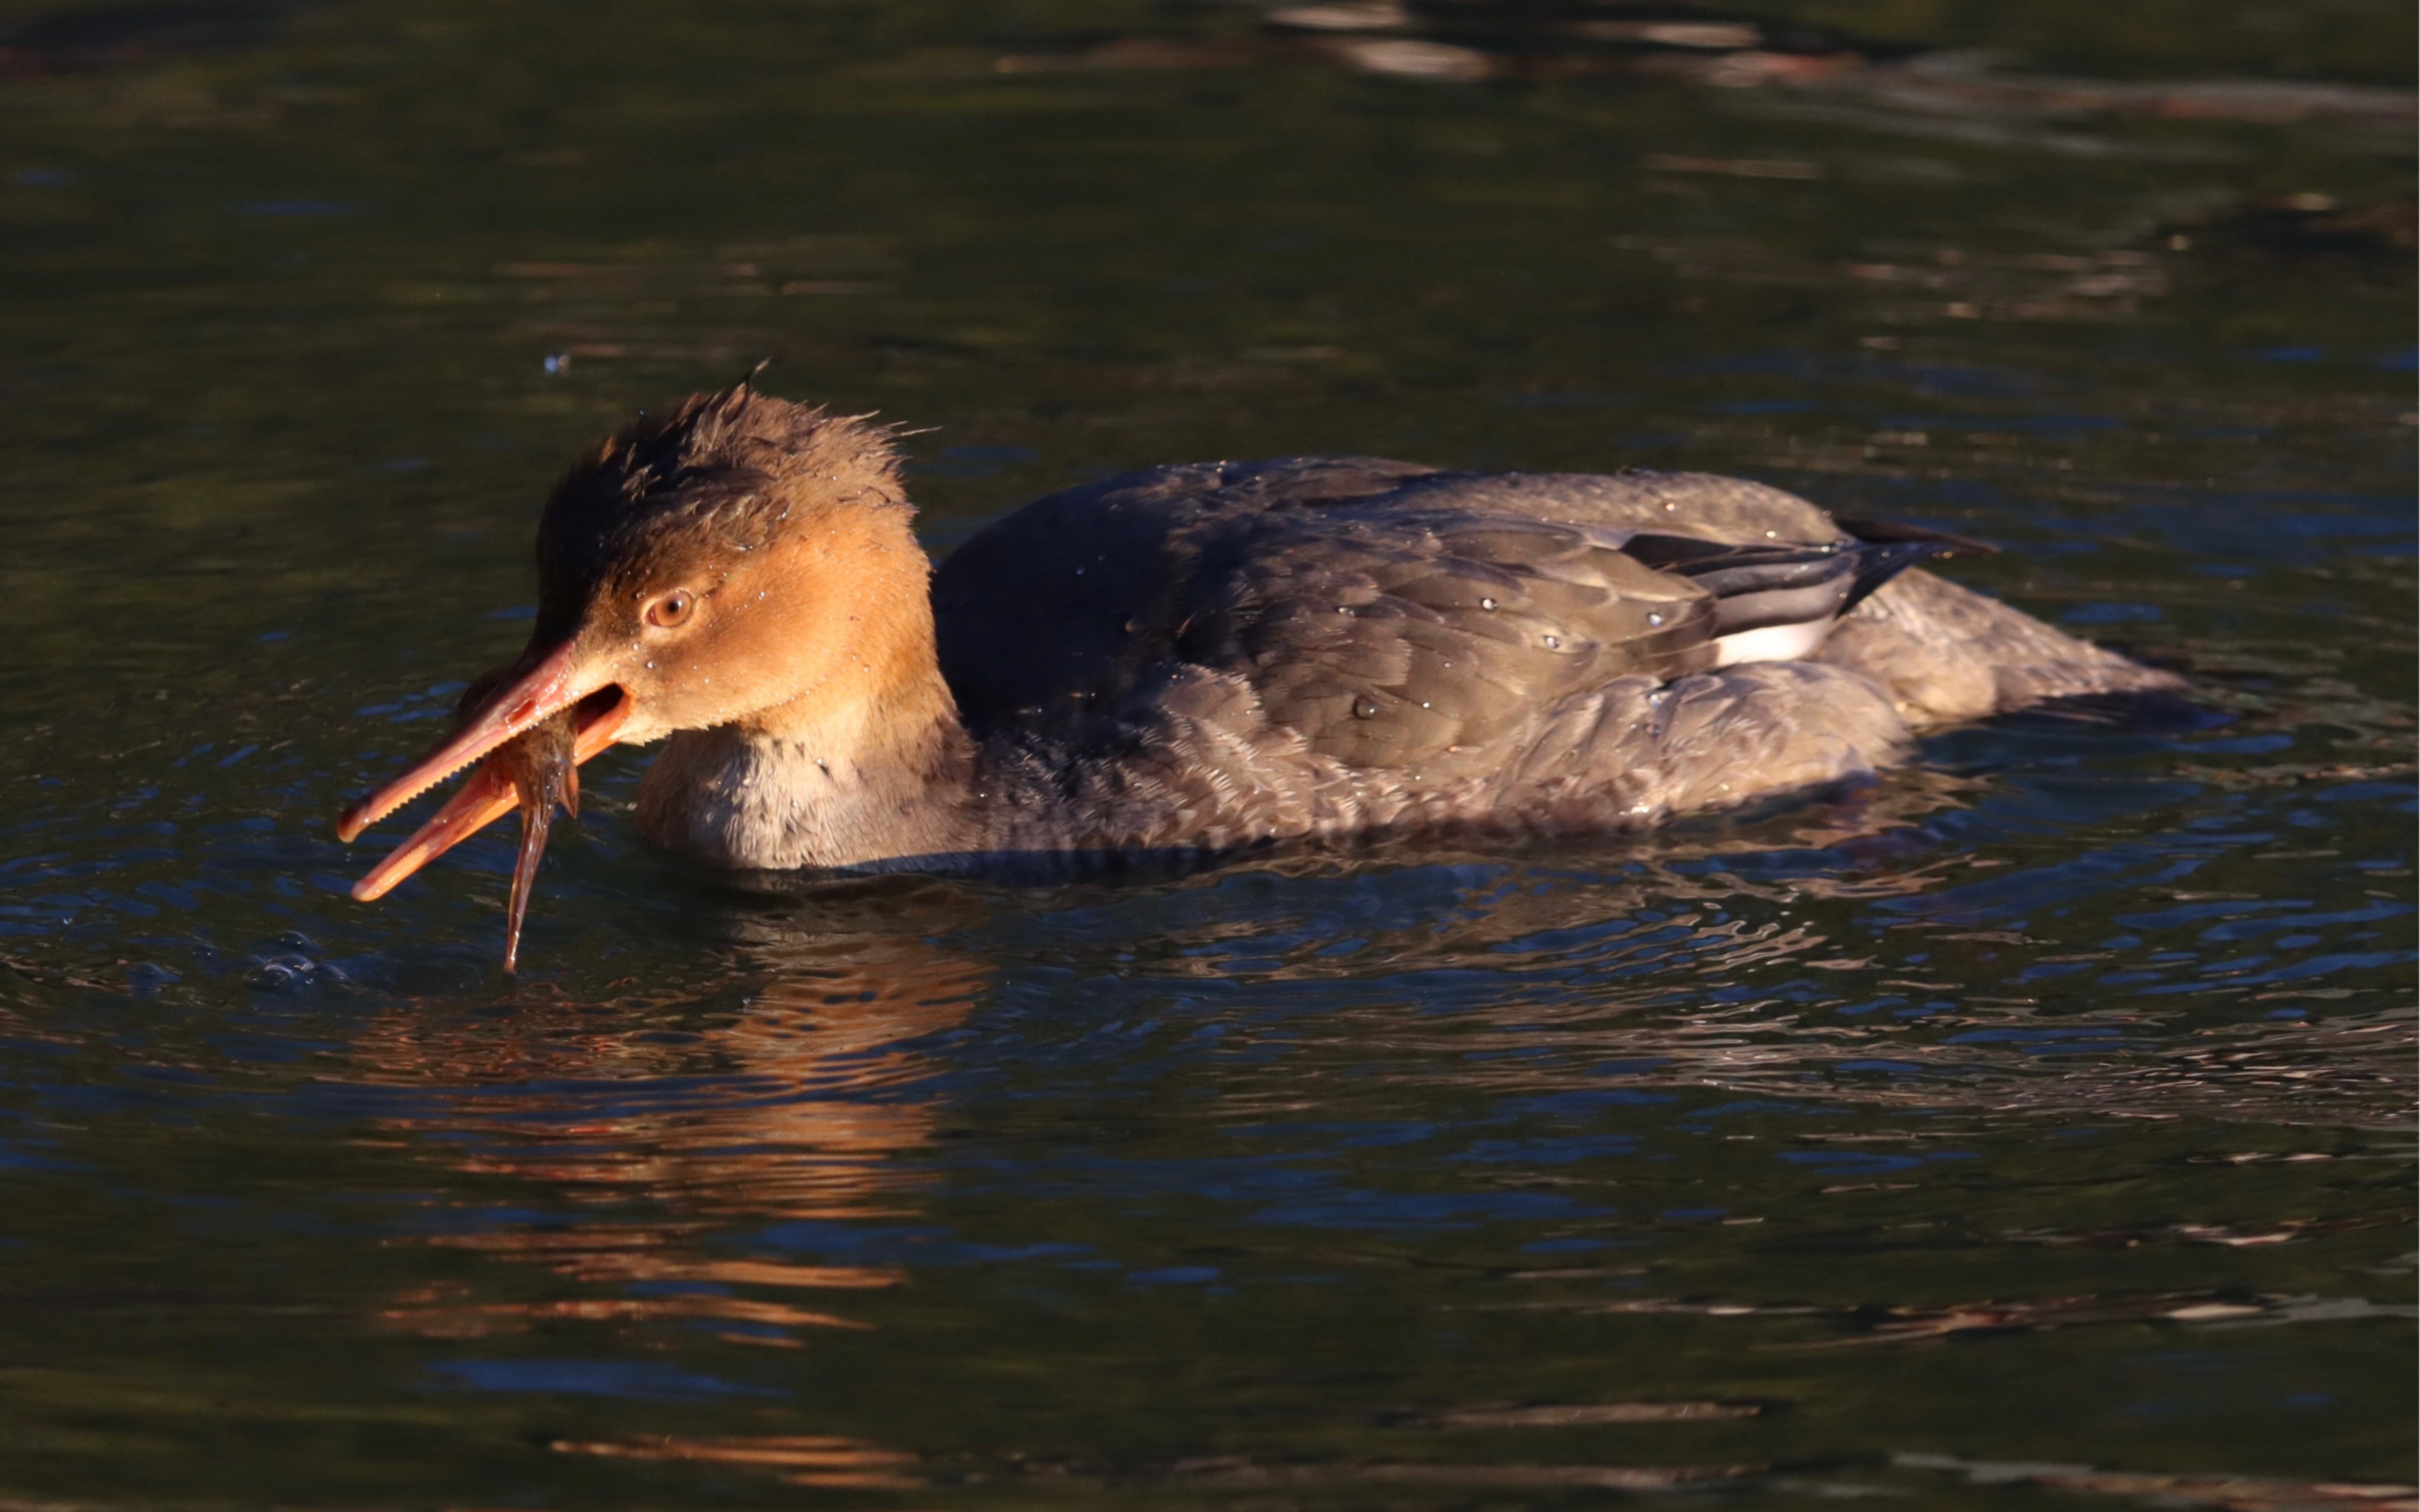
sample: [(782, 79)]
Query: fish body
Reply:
[(541, 767)]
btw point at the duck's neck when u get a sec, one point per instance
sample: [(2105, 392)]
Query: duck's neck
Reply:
[(746, 798), (868, 766)]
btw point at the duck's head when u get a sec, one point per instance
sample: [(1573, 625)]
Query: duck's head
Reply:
[(740, 559)]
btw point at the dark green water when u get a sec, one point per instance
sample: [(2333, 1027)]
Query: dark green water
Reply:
[(2045, 1107)]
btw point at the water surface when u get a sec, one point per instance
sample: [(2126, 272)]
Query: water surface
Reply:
[(2035, 1119)]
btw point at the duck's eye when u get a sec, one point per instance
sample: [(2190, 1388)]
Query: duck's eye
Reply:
[(672, 610)]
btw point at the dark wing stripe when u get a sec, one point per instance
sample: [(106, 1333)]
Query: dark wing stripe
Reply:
[(1791, 583), (1882, 532), (1769, 571), (1878, 563)]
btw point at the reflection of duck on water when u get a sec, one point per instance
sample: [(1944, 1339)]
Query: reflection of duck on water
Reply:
[(799, 1106), (1196, 659), (647, 1156)]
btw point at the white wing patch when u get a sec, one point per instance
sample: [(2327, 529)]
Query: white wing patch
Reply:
[(1773, 642)]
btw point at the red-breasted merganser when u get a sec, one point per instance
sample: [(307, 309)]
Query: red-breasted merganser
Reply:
[(1198, 659)]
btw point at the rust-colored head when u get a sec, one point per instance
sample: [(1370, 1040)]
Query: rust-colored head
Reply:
[(738, 559)]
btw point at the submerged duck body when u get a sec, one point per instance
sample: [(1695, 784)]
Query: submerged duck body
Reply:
[(1199, 658)]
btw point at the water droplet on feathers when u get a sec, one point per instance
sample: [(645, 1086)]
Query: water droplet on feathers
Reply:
[(1365, 707)]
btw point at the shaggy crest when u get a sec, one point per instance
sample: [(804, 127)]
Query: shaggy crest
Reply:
[(719, 473)]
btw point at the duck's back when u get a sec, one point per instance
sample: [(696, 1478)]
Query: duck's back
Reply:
[(1241, 649)]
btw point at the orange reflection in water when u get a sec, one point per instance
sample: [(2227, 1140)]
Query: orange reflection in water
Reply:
[(803, 1459), (793, 1105)]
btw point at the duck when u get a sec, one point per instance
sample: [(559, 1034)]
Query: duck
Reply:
[(1199, 659)]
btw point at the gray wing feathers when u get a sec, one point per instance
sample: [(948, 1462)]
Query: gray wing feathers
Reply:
[(1945, 654), (1425, 642), (1699, 503), (1208, 656)]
